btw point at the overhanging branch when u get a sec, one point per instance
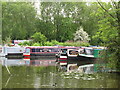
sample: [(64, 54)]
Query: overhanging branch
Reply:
[(105, 9)]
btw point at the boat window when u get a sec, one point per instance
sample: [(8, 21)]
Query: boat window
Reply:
[(37, 50), (54, 50), (27, 50), (89, 51), (81, 51), (72, 52), (33, 50), (64, 51), (41, 49), (49, 50), (45, 50)]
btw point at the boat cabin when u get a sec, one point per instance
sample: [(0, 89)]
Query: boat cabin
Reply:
[(41, 51), (12, 51)]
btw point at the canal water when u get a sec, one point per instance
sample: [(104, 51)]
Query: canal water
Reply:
[(42, 72)]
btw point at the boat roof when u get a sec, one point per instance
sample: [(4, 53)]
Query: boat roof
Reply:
[(42, 47), (62, 47)]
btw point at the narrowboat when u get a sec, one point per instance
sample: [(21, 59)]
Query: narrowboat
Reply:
[(41, 51), (81, 56), (91, 52), (7, 51), (65, 52)]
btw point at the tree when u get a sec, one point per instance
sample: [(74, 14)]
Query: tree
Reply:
[(81, 35), (46, 28), (108, 33), (18, 20), (67, 17), (65, 28), (39, 38)]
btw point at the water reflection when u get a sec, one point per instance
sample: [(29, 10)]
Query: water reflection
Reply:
[(42, 62), (32, 62), (13, 62), (43, 73)]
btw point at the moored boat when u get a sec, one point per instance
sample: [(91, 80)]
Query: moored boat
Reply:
[(66, 52), (91, 52), (81, 56), (41, 51), (7, 51)]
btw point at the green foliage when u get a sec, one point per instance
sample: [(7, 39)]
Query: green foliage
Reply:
[(106, 25), (39, 38), (109, 31), (26, 43), (46, 28), (58, 21), (7, 40), (48, 43), (36, 44), (18, 19), (54, 42), (66, 18), (76, 44)]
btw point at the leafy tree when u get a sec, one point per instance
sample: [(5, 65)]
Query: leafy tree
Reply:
[(18, 20), (67, 17), (65, 28), (39, 38), (46, 28), (108, 33)]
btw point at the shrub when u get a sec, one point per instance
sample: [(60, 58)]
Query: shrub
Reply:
[(26, 43), (54, 42), (78, 44), (81, 35), (36, 44), (48, 43), (38, 37)]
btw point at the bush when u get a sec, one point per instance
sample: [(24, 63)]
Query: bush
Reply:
[(38, 37), (61, 44), (26, 43), (48, 43), (37, 44), (54, 42), (78, 44), (81, 35)]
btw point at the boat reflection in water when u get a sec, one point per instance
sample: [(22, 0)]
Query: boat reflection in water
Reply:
[(42, 62), (12, 62), (44, 74), (31, 62)]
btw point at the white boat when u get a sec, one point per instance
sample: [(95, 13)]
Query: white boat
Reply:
[(8, 51)]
